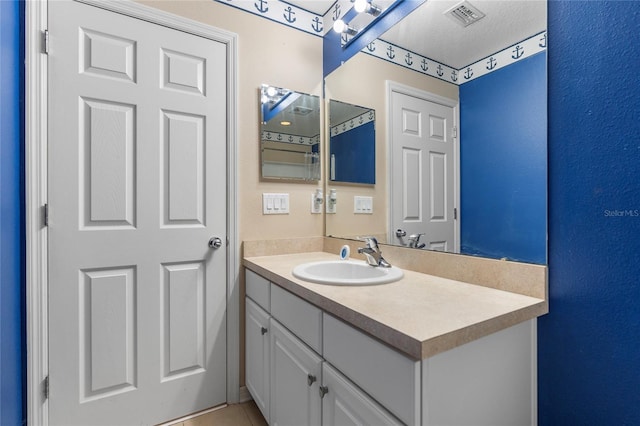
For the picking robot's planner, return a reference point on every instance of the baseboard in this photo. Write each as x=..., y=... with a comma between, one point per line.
x=244, y=394
x=177, y=422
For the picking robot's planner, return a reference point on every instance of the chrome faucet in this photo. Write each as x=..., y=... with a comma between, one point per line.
x=373, y=254
x=414, y=241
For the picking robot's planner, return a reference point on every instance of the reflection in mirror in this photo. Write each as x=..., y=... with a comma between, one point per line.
x=290, y=134
x=494, y=72
x=352, y=143
x=368, y=12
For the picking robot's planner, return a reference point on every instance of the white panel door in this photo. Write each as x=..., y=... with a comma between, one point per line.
x=423, y=172
x=137, y=187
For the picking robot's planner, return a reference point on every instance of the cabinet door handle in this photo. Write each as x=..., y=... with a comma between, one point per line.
x=310, y=379
x=323, y=391
x=263, y=330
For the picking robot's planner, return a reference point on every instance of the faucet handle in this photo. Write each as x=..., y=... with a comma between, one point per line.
x=372, y=242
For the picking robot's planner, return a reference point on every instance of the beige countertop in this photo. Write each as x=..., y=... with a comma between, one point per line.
x=420, y=315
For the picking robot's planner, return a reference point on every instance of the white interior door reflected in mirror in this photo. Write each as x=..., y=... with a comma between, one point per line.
x=289, y=134
x=423, y=169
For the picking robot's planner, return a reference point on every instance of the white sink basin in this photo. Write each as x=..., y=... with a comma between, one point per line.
x=346, y=272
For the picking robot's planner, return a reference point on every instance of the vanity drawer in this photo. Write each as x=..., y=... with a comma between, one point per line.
x=300, y=317
x=257, y=289
x=388, y=376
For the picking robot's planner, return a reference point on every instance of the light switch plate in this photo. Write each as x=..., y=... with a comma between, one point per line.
x=362, y=205
x=275, y=203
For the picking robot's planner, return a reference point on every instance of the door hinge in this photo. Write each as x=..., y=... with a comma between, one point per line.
x=45, y=387
x=454, y=130
x=45, y=214
x=455, y=213
x=45, y=42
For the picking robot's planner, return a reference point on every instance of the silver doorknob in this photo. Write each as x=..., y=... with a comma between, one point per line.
x=215, y=243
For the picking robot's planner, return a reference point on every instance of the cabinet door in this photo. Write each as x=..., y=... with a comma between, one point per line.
x=344, y=404
x=295, y=376
x=257, y=355
x=389, y=377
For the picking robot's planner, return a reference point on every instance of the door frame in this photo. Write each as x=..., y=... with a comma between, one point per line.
x=395, y=87
x=36, y=188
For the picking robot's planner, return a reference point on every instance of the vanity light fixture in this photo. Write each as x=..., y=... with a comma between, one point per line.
x=272, y=94
x=271, y=91
x=367, y=7
x=341, y=27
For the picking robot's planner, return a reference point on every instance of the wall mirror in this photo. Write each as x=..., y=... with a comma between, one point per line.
x=491, y=74
x=352, y=143
x=289, y=134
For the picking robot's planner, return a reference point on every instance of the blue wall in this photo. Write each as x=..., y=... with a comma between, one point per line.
x=503, y=162
x=589, y=343
x=11, y=216
x=355, y=154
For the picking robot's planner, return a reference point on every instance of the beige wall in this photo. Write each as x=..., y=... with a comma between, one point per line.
x=361, y=81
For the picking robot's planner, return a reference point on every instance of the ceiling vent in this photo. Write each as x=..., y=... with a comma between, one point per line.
x=464, y=14
x=300, y=110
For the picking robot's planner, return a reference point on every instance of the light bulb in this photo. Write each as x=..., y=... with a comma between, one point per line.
x=340, y=27
x=271, y=91
x=360, y=5
x=365, y=6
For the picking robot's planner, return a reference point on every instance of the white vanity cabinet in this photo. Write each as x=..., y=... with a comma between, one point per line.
x=285, y=373
x=306, y=367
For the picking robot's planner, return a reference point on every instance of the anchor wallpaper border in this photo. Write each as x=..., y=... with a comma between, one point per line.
x=318, y=25
x=361, y=120
x=288, y=138
x=283, y=13
x=407, y=59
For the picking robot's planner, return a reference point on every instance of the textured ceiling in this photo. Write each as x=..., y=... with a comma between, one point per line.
x=428, y=32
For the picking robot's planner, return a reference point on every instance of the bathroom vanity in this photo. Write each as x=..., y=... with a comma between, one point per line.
x=424, y=350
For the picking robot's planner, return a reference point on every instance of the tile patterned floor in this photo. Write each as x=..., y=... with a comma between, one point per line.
x=245, y=414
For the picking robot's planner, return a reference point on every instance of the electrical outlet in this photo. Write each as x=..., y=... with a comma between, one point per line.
x=316, y=207
x=331, y=206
